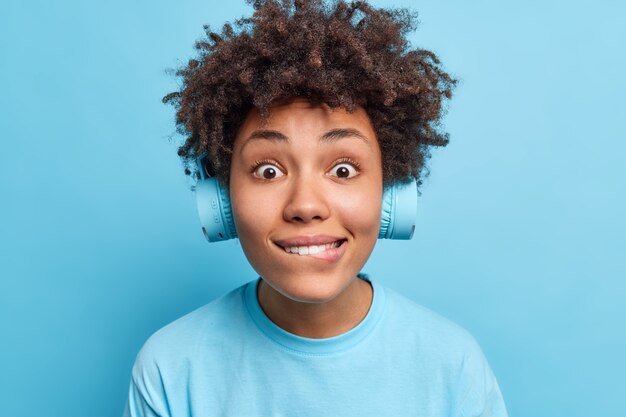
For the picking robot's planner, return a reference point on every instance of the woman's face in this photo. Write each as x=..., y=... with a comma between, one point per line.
x=306, y=191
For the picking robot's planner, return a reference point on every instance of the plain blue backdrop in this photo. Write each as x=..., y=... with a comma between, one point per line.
x=521, y=231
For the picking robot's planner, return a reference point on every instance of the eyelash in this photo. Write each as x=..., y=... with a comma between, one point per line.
x=343, y=160
x=349, y=161
x=257, y=164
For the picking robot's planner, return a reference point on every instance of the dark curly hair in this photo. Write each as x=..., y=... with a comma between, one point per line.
x=343, y=55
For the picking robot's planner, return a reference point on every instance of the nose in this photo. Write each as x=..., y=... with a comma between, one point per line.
x=306, y=201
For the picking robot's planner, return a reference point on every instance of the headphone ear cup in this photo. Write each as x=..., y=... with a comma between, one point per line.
x=216, y=216
x=399, y=211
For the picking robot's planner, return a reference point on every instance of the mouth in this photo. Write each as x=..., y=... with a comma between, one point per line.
x=312, y=249
x=321, y=247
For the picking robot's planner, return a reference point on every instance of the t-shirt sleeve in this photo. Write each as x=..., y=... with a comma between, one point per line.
x=482, y=394
x=146, y=395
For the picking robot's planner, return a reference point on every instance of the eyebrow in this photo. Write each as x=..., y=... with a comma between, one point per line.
x=268, y=134
x=336, y=134
x=332, y=135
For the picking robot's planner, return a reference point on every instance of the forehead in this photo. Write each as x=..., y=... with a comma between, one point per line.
x=300, y=118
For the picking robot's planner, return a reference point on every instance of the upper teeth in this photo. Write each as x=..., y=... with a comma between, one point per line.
x=311, y=250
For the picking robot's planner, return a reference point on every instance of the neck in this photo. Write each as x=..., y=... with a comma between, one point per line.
x=317, y=320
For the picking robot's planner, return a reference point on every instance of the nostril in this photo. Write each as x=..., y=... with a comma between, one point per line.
x=301, y=219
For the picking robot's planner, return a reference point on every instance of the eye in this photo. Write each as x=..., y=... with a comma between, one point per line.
x=344, y=170
x=268, y=171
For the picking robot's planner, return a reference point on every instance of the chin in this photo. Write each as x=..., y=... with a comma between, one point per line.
x=311, y=289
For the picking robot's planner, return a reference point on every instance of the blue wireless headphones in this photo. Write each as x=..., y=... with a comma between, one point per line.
x=398, y=214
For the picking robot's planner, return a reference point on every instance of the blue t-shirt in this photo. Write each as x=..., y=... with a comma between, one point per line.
x=228, y=359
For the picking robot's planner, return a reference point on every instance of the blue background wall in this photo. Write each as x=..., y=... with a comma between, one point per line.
x=521, y=229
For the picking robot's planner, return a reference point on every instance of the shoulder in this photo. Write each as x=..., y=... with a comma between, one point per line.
x=180, y=339
x=426, y=327
x=439, y=345
x=448, y=350
x=166, y=359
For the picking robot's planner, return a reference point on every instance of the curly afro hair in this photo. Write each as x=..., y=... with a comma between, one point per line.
x=341, y=54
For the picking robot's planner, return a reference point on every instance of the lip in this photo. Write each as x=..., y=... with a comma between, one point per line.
x=331, y=255
x=308, y=240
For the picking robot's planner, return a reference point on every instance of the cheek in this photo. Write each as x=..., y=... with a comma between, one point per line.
x=253, y=211
x=360, y=211
x=251, y=224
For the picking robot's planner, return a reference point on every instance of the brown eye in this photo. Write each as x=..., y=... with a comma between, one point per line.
x=268, y=172
x=344, y=170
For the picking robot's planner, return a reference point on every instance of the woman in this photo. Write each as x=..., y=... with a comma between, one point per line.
x=306, y=113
